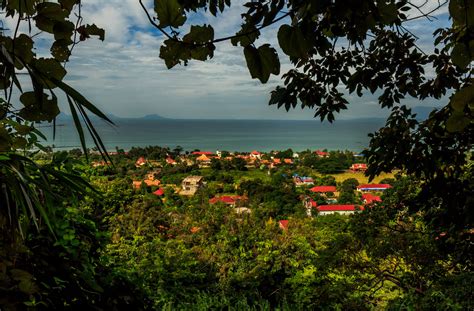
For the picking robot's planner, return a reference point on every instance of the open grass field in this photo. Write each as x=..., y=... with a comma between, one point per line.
x=361, y=177
x=252, y=174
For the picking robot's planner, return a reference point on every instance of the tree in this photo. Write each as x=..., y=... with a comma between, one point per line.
x=378, y=55
x=30, y=189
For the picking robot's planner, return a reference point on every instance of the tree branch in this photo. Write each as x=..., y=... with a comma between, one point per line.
x=212, y=41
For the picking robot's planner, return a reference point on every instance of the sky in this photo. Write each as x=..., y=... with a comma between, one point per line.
x=124, y=75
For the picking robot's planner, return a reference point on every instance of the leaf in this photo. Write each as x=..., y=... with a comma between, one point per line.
x=388, y=11
x=199, y=34
x=34, y=110
x=5, y=140
x=48, y=13
x=292, y=41
x=90, y=30
x=60, y=50
x=63, y=30
x=49, y=69
x=462, y=12
x=262, y=62
x=23, y=50
x=246, y=35
x=460, y=55
x=173, y=52
x=68, y=4
x=462, y=98
x=78, y=125
x=170, y=13
x=457, y=122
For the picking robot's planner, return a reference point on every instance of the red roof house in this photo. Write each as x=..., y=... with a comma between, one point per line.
x=159, y=192
x=228, y=199
x=140, y=161
x=358, y=167
x=369, y=198
x=322, y=154
x=283, y=224
x=323, y=189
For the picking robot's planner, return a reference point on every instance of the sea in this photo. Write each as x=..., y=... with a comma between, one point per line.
x=229, y=135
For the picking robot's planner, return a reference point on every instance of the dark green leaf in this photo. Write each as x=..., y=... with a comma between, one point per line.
x=170, y=13
x=292, y=41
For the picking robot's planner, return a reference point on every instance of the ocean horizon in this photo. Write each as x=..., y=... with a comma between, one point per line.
x=213, y=134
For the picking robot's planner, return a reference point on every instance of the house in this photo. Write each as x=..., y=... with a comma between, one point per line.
x=369, y=198
x=140, y=162
x=302, y=180
x=137, y=184
x=231, y=200
x=242, y=210
x=191, y=185
x=171, y=161
x=100, y=163
x=322, y=154
x=203, y=160
x=337, y=209
x=151, y=175
x=195, y=229
x=283, y=224
x=288, y=161
x=358, y=167
x=159, y=192
x=256, y=155
x=148, y=182
x=323, y=189
x=373, y=187
x=208, y=153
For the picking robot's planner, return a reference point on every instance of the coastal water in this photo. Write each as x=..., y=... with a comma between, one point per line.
x=230, y=135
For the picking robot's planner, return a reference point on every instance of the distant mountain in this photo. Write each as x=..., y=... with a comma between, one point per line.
x=152, y=117
x=66, y=117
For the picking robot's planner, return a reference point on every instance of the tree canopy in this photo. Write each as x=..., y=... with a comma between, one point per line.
x=342, y=48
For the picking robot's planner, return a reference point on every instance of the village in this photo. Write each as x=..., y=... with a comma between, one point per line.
x=319, y=182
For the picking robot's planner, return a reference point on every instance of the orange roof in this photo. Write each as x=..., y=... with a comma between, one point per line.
x=136, y=184
x=150, y=182
x=195, y=229
x=140, y=161
x=288, y=161
x=255, y=152
x=203, y=157
x=276, y=160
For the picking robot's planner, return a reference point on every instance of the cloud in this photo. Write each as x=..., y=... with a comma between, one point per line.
x=125, y=76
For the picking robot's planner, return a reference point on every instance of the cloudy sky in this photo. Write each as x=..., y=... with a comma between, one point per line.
x=124, y=75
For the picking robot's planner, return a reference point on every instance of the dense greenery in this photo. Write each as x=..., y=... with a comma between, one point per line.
x=77, y=236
